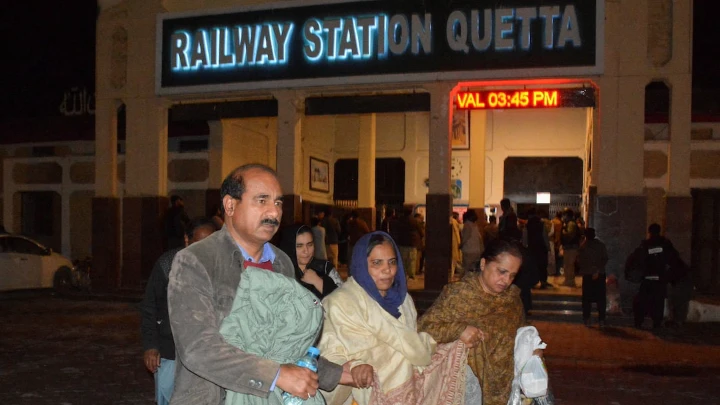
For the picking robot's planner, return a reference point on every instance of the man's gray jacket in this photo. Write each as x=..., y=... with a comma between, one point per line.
x=203, y=283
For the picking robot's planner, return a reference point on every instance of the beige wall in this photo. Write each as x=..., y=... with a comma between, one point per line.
x=234, y=142
x=404, y=135
x=536, y=133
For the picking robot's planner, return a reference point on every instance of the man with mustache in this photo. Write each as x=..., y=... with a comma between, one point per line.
x=204, y=281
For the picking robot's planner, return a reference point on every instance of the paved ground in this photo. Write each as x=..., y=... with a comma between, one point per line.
x=61, y=351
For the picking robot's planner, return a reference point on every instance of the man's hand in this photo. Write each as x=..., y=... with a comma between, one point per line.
x=362, y=375
x=151, y=358
x=471, y=336
x=298, y=381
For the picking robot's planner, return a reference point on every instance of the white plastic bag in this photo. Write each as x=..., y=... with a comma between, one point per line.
x=527, y=341
x=534, y=378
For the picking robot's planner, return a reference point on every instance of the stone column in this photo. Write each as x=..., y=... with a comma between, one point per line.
x=439, y=200
x=678, y=201
x=145, y=201
x=620, y=206
x=290, y=167
x=106, y=227
x=478, y=131
x=366, y=168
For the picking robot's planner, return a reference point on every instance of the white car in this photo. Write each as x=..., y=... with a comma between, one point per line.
x=26, y=264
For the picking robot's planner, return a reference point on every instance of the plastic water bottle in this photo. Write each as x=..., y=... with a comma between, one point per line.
x=309, y=360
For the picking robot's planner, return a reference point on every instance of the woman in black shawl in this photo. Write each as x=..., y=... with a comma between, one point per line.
x=317, y=275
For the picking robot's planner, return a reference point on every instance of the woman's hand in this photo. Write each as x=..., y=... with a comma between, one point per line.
x=311, y=277
x=362, y=375
x=471, y=336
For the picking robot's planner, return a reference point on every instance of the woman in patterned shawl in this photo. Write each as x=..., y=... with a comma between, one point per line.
x=371, y=320
x=486, y=305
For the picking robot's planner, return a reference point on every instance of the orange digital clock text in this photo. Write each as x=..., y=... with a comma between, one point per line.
x=479, y=100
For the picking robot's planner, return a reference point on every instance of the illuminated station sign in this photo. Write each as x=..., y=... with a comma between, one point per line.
x=530, y=98
x=375, y=38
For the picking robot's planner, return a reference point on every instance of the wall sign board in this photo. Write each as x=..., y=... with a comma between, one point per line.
x=308, y=43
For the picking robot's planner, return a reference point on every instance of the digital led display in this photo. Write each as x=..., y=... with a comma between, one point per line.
x=525, y=98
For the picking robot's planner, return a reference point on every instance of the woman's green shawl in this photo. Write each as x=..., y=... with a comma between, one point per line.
x=273, y=317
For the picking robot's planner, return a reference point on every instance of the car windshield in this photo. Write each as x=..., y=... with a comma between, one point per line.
x=21, y=245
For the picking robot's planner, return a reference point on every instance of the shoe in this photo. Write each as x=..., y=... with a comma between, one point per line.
x=586, y=322
x=601, y=324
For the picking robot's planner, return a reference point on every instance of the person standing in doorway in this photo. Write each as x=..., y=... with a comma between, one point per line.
x=332, y=235
x=570, y=244
x=471, y=243
x=421, y=253
x=508, y=227
x=490, y=233
x=537, y=244
x=176, y=220
x=356, y=228
x=592, y=258
x=557, y=224
x=318, y=233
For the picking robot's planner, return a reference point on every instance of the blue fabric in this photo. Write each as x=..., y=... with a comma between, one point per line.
x=267, y=255
x=164, y=381
x=359, y=269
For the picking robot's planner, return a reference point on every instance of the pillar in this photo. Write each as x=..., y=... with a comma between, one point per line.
x=145, y=201
x=235, y=142
x=478, y=131
x=366, y=168
x=106, y=226
x=291, y=110
x=619, y=207
x=439, y=199
x=678, y=201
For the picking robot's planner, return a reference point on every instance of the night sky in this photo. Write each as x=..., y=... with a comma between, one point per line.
x=49, y=48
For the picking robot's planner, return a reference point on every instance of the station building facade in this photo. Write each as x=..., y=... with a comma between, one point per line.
x=475, y=101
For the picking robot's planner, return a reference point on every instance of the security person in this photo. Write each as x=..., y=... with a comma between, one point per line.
x=654, y=260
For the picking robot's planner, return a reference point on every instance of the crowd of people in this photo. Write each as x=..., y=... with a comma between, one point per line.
x=227, y=313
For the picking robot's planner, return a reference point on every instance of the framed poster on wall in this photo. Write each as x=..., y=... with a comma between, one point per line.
x=319, y=175
x=460, y=129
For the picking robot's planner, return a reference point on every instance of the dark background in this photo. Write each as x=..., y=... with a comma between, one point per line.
x=48, y=46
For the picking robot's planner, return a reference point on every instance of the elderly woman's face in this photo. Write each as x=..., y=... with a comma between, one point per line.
x=498, y=274
x=382, y=266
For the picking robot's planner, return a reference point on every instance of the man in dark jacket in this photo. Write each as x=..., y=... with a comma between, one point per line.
x=651, y=265
x=176, y=223
x=537, y=245
x=159, y=355
x=591, y=261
